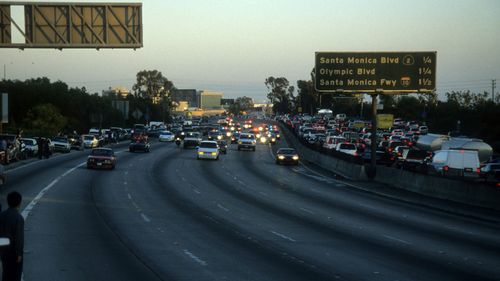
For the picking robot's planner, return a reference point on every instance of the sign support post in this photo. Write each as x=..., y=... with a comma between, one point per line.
x=372, y=170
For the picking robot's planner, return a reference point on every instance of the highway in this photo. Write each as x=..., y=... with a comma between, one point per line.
x=166, y=216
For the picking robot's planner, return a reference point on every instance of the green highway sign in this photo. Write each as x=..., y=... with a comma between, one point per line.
x=380, y=72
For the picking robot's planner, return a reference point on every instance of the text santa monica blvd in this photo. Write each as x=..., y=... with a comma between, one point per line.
x=392, y=72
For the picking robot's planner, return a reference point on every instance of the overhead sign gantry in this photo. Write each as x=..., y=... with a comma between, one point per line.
x=73, y=25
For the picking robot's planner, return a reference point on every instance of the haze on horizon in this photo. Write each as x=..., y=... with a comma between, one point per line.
x=233, y=46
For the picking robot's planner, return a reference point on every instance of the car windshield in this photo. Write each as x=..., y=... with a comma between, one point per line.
x=58, y=139
x=247, y=136
x=347, y=146
x=208, y=145
x=286, y=151
x=88, y=138
x=101, y=152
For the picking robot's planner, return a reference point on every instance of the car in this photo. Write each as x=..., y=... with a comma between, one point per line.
x=381, y=156
x=208, y=150
x=234, y=137
x=101, y=158
x=399, y=153
x=247, y=141
x=90, y=141
x=192, y=139
x=214, y=135
x=424, y=130
x=347, y=148
x=287, y=156
x=31, y=146
x=166, y=136
x=490, y=171
x=222, y=146
x=61, y=144
x=139, y=145
x=415, y=159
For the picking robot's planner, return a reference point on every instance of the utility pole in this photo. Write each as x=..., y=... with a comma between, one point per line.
x=493, y=86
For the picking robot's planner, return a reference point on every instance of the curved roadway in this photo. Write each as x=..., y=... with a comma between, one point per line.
x=166, y=216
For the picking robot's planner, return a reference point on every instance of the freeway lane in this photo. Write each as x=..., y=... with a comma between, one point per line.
x=166, y=216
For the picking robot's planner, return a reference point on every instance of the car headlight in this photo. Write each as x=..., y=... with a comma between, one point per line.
x=214, y=153
x=262, y=139
x=281, y=157
x=258, y=135
x=107, y=161
x=200, y=152
x=278, y=135
x=228, y=134
x=295, y=157
x=240, y=142
x=219, y=137
x=273, y=139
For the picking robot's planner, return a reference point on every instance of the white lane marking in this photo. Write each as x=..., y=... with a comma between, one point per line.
x=307, y=211
x=262, y=193
x=367, y=206
x=396, y=239
x=125, y=183
x=144, y=217
x=222, y=207
x=126, y=172
x=136, y=206
x=283, y=236
x=197, y=191
x=39, y=196
x=195, y=258
x=242, y=183
x=129, y=196
x=183, y=179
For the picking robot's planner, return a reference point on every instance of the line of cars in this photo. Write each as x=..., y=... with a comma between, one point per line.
x=403, y=146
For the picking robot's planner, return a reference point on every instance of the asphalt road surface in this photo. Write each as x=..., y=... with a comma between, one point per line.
x=164, y=215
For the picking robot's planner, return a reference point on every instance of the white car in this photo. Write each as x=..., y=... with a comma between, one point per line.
x=166, y=136
x=208, y=150
x=90, y=141
x=31, y=145
x=347, y=148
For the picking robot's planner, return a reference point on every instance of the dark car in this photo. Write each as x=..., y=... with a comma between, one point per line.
x=287, y=156
x=234, y=137
x=139, y=145
x=416, y=160
x=101, y=158
x=490, y=171
x=214, y=135
x=382, y=157
x=222, y=146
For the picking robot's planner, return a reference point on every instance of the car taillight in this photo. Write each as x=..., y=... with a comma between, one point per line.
x=498, y=184
x=392, y=158
x=410, y=143
x=478, y=170
x=446, y=168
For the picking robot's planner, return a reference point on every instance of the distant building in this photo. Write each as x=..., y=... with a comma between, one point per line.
x=118, y=91
x=210, y=100
x=185, y=95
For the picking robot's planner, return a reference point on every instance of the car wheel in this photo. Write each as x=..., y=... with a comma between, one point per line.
x=253, y=149
x=277, y=162
x=88, y=167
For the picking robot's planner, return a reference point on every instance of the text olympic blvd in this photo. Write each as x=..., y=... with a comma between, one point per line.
x=400, y=72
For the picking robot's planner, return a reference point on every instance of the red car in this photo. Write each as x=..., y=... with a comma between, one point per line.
x=101, y=158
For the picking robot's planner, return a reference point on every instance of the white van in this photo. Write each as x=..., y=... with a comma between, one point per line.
x=464, y=163
x=341, y=117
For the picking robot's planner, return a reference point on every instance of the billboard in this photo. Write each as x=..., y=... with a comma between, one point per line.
x=385, y=121
x=375, y=72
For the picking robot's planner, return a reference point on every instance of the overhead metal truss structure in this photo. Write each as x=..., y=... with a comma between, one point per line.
x=73, y=25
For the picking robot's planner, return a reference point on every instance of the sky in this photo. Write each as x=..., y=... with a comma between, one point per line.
x=232, y=46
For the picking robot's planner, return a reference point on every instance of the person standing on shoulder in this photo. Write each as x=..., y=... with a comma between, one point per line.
x=12, y=227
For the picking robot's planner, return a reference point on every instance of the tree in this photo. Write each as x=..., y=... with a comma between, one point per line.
x=152, y=84
x=241, y=104
x=45, y=120
x=280, y=94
